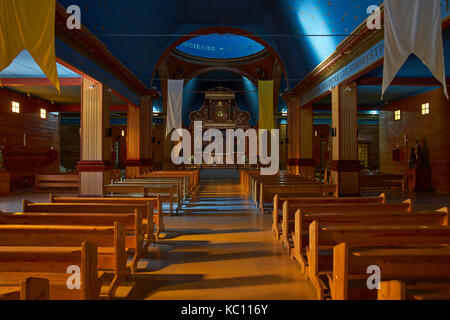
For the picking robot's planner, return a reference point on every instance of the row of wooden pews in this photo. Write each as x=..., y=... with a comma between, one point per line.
x=103, y=239
x=169, y=185
x=337, y=240
x=261, y=189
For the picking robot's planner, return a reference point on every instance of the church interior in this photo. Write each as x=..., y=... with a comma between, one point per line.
x=123, y=175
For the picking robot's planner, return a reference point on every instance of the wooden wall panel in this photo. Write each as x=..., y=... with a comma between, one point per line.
x=70, y=145
x=432, y=132
x=23, y=161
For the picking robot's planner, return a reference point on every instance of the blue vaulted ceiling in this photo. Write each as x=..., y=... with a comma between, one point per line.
x=303, y=33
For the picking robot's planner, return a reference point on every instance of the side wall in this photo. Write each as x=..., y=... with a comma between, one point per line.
x=432, y=132
x=27, y=139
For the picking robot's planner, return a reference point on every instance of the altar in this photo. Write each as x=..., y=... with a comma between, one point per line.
x=220, y=111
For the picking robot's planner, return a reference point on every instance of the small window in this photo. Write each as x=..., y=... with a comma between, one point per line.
x=363, y=155
x=425, y=108
x=15, y=107
x=43, y=114
x=397, y=115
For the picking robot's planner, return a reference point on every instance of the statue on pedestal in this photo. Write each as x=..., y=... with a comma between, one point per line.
x=418, y=176
x=416, y=160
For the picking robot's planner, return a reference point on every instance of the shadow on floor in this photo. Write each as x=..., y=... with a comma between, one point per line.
x=151, y=284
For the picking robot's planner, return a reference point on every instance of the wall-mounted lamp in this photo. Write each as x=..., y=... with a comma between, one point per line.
x=123, y=133
x=348, y=89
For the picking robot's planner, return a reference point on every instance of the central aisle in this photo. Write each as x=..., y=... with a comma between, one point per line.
x=220, y=249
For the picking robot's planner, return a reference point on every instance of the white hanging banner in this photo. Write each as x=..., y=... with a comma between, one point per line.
x=413, y=26
x=174, y=105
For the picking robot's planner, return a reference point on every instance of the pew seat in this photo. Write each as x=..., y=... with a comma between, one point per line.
x=110, y=241
x=349, y=275
x=297, y=201
x=134, y=239
x=44, y=271
x=318, y=255
x=288, y=220
x=28, y=289
x=152, y=205
x=414, y=289
x=56, y=181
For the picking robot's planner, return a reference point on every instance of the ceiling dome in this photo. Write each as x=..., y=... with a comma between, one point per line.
x=220, y=46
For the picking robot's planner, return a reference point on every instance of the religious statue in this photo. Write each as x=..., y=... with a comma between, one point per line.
x=1, y=157
x=416, y=160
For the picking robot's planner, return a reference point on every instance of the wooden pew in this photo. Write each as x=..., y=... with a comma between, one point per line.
x=278, y=203
x=417, y=290
x=152, y=205
x=381, y=181
x=94, y=207
x=244, y=178
x=331, y=231
x=56, y=181
x=19, y=263
x=350, y=265
x=288, y=220
x=193, y=175
x=280, y=179
x=182, y=182
x=112, y=255
x=303, y=221
x=166, y=191
x=267, y=192
x=28, y=289
x=150, y=187
x=134, y=238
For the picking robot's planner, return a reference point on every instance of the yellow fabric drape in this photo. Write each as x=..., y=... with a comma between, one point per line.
x=29, y=25
x=265, y=93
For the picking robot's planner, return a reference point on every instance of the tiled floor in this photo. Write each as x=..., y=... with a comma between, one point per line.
x=220, y=248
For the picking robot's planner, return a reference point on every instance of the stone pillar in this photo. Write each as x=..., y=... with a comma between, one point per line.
x=293, y=132
x=139, y=135
x=306, y=161
x=345, y=167
x=96, y=149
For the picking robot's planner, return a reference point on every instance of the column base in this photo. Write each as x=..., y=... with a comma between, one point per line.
x=93, y=176
x=346, y=174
